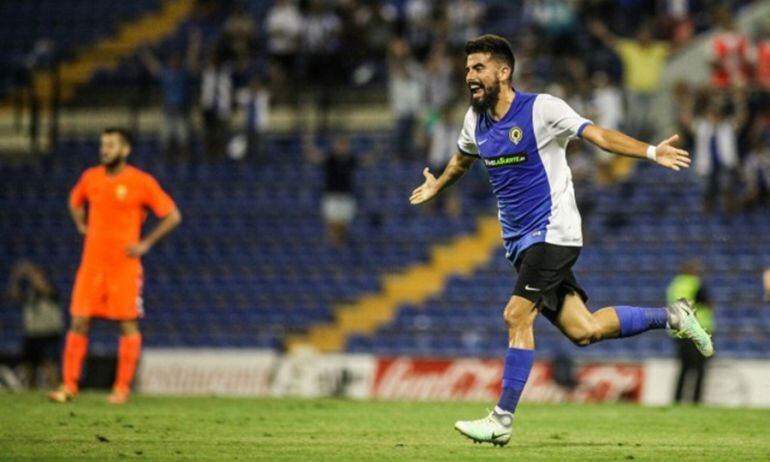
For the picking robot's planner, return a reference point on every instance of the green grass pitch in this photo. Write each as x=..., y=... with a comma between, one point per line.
x=166, y=428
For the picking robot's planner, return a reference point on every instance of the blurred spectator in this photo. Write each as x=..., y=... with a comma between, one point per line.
x=420, y=30
x=216, y=103
x=239, y=36
x=283, y=25
x=42, y=323
x=715, y=136
x=683, y=98
x=464, y=17
x=643, y=62
x=321, y=29
x=730, y=51
x=533, y=63
x=438, y=71
x=338, y=204
x=367, y=31
x=352, y=34
x=176, y=79
x=756, y=168
x=762, y=58
x=25, y=70
x=606, y=101
x=607, y=110
x=688, y=285
x=573, y=78
x=254, y=101
x=406, y=96
x=443, y=133
x=555, y=21
x=677, y=19
x=376, y=21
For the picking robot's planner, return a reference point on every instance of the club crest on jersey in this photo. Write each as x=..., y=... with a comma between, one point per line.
x=515, y=135
x=121, y=191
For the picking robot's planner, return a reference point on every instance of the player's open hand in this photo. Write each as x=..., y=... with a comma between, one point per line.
x=138, y=249
x=426, y=191
x=672, y=157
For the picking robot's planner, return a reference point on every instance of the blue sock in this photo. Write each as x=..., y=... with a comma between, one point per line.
x=635, y=320
x=518, y=363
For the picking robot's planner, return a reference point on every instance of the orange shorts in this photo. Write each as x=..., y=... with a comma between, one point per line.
x=115, y=293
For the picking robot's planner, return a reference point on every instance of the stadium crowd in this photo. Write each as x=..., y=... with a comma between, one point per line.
x=323, y=52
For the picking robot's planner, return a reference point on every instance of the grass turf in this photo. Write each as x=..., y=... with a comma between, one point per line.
x=166, y=428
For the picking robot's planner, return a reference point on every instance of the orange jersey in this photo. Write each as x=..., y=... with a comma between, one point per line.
x=117, y=207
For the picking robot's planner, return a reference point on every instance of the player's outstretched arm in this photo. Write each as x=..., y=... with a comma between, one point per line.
x=168, y=223
x=458, y=165
x=664, y=154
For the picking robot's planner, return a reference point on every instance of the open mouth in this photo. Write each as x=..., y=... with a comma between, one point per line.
x=475, y=89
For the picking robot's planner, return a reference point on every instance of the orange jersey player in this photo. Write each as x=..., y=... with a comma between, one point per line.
x=109, y=281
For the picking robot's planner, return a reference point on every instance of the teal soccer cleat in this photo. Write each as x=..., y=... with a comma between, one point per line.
x=495, y=428
x=684, y=324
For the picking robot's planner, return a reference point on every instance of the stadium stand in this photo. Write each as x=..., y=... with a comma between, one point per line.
x=250, y=266
x=71, y=25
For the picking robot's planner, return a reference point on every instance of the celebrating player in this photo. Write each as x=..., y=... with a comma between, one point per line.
x=521, y=138
x=109, y=280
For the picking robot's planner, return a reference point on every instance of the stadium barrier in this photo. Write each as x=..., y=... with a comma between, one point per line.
x=306, y=374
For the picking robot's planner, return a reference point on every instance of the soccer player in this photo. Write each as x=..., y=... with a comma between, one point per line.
x=521, y=138
x=109, y=280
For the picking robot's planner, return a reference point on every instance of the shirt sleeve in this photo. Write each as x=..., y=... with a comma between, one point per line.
x=466, y=142
x=78, y=195
x=560, y=119
x=157, y=200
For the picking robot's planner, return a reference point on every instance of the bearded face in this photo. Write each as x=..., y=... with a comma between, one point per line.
x=112, y=150
x=483, y=76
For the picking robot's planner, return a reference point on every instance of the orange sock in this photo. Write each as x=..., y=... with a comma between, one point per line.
x=129, y=348
x=75, y=350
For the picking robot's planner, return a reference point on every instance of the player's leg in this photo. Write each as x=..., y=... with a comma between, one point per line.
x=539, y=274
x=125, y=305
x=496, y=428
x=88, y=296
x=519, y=316
x=584, y=328
x=75, y=350
x=129, y=351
